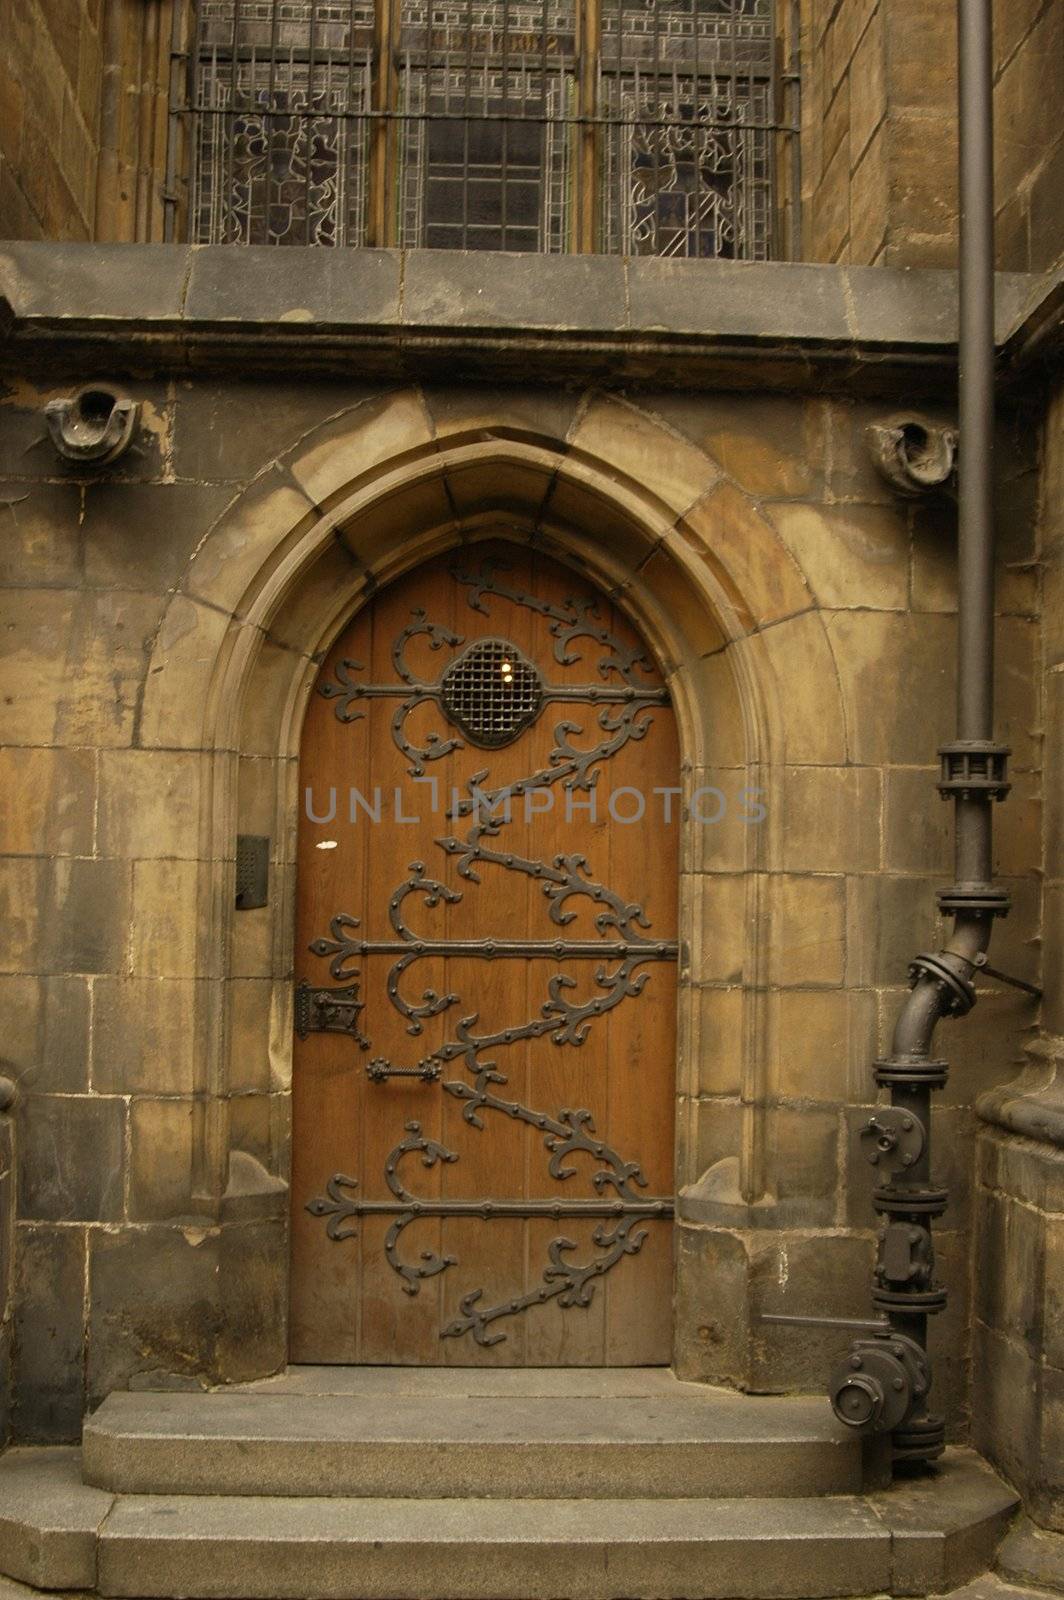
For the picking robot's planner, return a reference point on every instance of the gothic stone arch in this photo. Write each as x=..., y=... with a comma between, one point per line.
x=676, y=543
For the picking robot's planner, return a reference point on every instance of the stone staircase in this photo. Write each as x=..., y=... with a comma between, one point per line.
x=394, y=1484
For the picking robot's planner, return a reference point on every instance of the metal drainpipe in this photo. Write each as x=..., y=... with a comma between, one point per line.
x=973, y=775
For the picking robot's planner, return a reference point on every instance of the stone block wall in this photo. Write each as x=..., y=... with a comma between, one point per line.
x=879, y=136
x=1029, y=139
x=120, y=590
x=50, y=78
x=1019, y=1319
x=84, y=90
x=1019, y=1327
x=880, y=132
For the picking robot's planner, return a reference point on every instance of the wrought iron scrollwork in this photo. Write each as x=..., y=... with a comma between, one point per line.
x=571, y=1283
x=572, y=620
x=622, y=952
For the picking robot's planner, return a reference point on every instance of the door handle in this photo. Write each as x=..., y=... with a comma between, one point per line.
x=380, y=1069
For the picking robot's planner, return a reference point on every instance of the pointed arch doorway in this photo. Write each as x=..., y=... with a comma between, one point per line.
x=484, y=1078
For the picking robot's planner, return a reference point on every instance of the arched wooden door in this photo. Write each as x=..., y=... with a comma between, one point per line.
x=486, y=969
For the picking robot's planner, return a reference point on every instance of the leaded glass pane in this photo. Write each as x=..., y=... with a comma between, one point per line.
x=282, y=95
x=486, y=94
x=686, y=86
x=478, y=119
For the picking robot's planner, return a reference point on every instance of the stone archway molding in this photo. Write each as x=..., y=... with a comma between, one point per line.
x=655, y=522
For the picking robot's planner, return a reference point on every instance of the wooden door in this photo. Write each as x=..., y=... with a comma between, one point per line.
x=486, y=967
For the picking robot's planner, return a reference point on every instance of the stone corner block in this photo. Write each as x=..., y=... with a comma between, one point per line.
x=945, y=1528
x=49, y=1518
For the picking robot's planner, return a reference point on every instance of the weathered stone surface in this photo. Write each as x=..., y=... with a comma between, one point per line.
x=103, y=660
x=49, y=1332
x=685, y=1441
x=161, y=1136
x=46, y=801
x=344, y=286
x=85, y=915
x=164, y=926
x=71, y=1158
x=802, y=1276
x=851, y=555
x=732, y=534
x=826, y=1040
x=831, y=818
x=192, y=1300
x=184, y=658
x=1032, y=1555
x=42, y=540
x=47, y=1044
x=945, y=1528
x=712, y=1326
x=142, y=535
x=49, y=1519
x=245, y=539
x=455, y=287
x=809, y=942
x=142, y=1041
x=509, y=1550
x=1005, y=1424
x=767, y=444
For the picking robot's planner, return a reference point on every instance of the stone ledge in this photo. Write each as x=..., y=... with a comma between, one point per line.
x=426, y=312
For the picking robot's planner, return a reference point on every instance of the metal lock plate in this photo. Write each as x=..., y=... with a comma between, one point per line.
x=252, y=871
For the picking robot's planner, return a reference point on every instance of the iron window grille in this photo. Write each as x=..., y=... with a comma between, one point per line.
x=644, y=127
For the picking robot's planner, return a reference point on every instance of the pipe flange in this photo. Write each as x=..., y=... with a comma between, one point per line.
x=974, y=769
x=897, y=1202
x=985, y=897
x=910, y=1072
x=960, y=992
x=929, y=1302
x=919, y=1440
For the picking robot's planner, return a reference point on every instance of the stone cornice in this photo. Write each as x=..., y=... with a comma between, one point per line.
x=443, y=314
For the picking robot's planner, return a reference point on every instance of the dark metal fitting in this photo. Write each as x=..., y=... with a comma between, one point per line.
x=894, y=1201
x=329, y=1011
x=910, y=1072
x=878, y=1384
x=974, y=769
x=906, y=1258
x=894, y=1136
x=961, y=993
x=972, y=897
x=926, y=1302
x=919, y=1440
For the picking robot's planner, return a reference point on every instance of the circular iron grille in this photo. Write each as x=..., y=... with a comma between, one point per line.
x=492, y=692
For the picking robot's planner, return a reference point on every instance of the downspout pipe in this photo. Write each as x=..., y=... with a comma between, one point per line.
x=974, y=776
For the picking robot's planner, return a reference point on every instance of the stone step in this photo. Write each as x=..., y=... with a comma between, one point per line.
x=354, y=1549
x=634, y=1438
x=919, y=1538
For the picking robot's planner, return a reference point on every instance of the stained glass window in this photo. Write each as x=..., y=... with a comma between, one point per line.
x=646, y=127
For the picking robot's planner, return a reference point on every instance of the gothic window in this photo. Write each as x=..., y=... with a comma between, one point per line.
x=645, y=127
